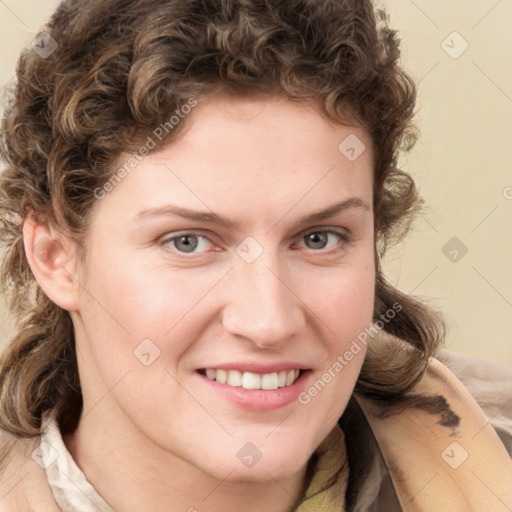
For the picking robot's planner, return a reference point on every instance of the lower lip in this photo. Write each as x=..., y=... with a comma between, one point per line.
x=258, y=399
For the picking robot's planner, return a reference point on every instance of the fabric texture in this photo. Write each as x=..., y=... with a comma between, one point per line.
x=370, y=487
x=68, y=484
x=365, y=486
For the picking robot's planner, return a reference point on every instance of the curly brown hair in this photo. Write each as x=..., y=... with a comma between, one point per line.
x=122, y=67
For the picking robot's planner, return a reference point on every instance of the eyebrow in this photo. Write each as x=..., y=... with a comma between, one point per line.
x=214, y=219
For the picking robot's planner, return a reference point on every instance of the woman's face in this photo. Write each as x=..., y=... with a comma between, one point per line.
x=202, y=264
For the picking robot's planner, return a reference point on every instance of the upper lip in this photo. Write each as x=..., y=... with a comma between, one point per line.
x=253, y=367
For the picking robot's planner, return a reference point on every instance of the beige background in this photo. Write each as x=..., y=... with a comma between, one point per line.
x=462, y=163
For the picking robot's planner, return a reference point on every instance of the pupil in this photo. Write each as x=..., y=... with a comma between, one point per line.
x=317, y=239
x=187, y=245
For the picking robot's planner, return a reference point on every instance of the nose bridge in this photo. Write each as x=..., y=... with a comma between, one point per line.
x=260, y=306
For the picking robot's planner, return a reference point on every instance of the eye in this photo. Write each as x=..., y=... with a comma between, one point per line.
x=319, y=238
x=186, y=242
x=194, y=243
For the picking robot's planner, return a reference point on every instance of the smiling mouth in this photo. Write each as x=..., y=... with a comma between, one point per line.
x=250, y=380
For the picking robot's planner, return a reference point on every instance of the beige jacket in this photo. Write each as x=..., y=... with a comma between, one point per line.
x=454, y=455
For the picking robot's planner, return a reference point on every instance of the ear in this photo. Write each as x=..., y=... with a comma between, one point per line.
x=52, y=259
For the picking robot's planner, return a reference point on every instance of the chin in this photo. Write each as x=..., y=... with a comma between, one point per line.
x=249, y=465
x=262, y=473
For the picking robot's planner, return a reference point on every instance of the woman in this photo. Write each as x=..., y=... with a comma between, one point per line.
x=196, y=201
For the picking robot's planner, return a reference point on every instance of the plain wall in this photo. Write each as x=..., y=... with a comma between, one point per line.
x=462, y=163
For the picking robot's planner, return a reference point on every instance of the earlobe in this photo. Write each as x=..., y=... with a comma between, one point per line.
x=52, y=262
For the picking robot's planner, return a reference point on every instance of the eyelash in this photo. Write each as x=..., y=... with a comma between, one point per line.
x=344, y=237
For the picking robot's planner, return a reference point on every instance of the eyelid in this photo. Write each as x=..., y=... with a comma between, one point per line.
x=174, y=235
x=326, y=229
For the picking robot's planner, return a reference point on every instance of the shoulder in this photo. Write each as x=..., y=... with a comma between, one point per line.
x=490, y=384
x=23, y=483
x=441, y=435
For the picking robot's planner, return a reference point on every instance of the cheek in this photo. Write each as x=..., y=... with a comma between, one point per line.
x=343, y=298
x=346, y=310
x=126, y=301
x=344, y=303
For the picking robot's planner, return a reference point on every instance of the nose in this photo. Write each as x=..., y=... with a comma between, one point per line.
x=261, y=305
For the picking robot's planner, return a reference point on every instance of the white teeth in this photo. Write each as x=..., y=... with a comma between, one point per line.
x=249, y=380
x=234, y=378
x=222, y=376
x=269, y=381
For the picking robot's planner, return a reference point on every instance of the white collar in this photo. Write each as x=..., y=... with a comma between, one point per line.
x=70, y=488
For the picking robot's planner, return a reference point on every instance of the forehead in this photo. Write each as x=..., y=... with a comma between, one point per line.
x=237, y=156
x=275, y=126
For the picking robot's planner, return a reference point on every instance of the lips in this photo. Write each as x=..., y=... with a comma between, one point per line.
x=256, y=386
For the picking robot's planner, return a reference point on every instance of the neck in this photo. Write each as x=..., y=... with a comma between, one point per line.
x=130, y=472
